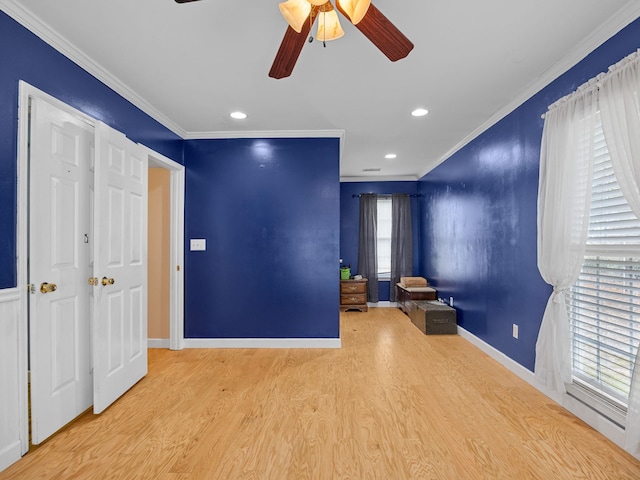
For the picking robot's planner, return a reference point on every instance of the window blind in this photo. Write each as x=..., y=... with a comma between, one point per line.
x=384, y=236
x=604, y=305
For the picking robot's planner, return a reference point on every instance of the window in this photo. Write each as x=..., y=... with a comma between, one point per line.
x=604, y=305
x=383, y=241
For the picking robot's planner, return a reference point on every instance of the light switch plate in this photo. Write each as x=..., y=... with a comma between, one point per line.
x=198, y=244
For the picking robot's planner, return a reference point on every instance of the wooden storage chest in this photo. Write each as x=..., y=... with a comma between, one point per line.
x=433, y=317
x=406, y=295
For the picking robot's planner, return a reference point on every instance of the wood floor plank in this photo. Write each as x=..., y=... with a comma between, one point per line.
x=392, y=403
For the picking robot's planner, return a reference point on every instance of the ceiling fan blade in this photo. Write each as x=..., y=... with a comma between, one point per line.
x=382, y=33
x=291, y=47
x=186, y=1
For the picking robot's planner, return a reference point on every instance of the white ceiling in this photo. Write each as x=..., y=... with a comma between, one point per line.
x=190, y=65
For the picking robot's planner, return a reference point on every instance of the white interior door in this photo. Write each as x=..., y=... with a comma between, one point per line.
x=59, y=267
x=120, y=266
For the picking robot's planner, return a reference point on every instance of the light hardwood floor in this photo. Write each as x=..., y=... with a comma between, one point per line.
x=391, y=404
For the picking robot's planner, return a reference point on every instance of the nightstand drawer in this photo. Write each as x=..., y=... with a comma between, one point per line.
x=360, y=287
x=353, y=299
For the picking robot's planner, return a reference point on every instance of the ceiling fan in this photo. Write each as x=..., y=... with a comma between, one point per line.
x=302, y=14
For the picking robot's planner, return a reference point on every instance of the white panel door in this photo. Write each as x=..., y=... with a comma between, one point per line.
x=120, y=266
x=59, y=268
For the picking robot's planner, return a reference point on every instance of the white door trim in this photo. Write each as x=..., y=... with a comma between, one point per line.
x=22, y=216
x=176, y=287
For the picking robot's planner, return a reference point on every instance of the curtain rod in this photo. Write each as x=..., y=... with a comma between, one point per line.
x=591, y=85
x=595, y=82
x=358, y=195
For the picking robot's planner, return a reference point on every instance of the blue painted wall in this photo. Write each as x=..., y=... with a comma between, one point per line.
x=350, y=221
x=23, y=56
x=270, y=212
x=478, y=217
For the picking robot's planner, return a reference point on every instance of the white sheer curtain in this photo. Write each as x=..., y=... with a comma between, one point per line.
x=620, y=113
x=564, y=200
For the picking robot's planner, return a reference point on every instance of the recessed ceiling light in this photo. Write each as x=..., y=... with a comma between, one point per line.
x=390, y=156
x=238, y=115
x=420, y=112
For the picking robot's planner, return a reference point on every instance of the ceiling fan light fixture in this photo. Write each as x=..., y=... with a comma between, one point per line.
x=370, y=22
x=355, y=9
x=328, y=24
x=295, y=12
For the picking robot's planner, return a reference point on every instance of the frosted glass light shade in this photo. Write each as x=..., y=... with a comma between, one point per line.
x=329, y=26
x=295, y=12
x=355, y=9
x=317, y=2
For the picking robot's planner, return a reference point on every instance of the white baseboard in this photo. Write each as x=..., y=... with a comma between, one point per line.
x=592, y=418
x=262, y=343
x=524, y=373
x=10, y=454
x=382, y=304
x=158, y=343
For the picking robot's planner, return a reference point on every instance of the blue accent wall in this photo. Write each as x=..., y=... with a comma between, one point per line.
x=478, y=217
x=23, y=56
x=350, y=222
x=270, y=212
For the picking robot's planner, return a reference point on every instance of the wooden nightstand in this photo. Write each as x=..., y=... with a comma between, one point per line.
x=353, y=295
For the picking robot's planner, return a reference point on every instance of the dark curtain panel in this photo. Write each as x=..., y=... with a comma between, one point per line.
x=367, y=255
x=401, y=241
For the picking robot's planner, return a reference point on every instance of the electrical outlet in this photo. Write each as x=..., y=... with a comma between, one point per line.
x=515, y=331
x=198, y=244
x=451, y=301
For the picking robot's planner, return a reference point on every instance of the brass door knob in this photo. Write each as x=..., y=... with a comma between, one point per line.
x=48, y=287
x=107, y=281
x=93, y=281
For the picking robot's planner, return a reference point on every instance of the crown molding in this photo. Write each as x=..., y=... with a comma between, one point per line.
x=399, y=178
x=267, y=134
x=42, y=30
x=626, y=15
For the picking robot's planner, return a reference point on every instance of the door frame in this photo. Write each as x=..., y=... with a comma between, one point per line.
x=176, y=246
x=177, y=171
